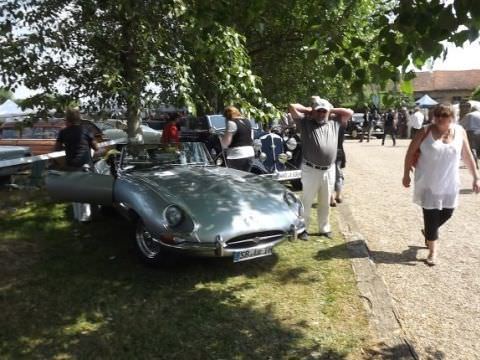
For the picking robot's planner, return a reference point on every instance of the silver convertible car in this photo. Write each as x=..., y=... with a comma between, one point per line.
x=179, y=201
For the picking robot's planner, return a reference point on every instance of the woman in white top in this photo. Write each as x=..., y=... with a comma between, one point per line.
x=238, y=140
x=437, y=178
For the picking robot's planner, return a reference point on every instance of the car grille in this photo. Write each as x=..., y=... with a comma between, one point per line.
x=251, y=240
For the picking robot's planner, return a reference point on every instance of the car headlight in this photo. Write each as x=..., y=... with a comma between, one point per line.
x=283, y=158
x=173, y=215
x=293, y=202
x=263, y=156
x=291, y=144
x=289, y=155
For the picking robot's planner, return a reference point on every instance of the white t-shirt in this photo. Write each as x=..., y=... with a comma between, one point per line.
x=416, y=120
x=437, y=178
x=472, y=122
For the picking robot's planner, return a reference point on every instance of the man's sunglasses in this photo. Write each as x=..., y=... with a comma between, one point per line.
x=321, y=111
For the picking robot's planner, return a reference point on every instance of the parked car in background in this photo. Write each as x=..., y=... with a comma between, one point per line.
x=40, y=136
x=111, y=132
x=179, y=201
x=278, y=155
x=12, y=152
x=355, y=126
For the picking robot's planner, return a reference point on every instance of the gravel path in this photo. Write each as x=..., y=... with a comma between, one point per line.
x=439, y=307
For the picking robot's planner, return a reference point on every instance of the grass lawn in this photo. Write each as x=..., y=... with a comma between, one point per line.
x=76, y=291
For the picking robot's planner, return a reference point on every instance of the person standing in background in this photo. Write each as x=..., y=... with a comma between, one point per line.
x=78, y=144
x=237, y=139
x=340, y=163
x=471, y=123
x=416, y=122
x=390, y=126
x=170, y=131
x=367, y=125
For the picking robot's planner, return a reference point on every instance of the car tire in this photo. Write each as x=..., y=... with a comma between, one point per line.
x=147, y=248
x=296, y=185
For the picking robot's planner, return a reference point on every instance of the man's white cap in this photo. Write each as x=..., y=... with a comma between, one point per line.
x=319, y=103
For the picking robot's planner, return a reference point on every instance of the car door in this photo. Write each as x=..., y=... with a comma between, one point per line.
x=79, y=186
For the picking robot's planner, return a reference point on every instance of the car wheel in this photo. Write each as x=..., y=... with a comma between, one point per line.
x=354, y=133
x=148, y=248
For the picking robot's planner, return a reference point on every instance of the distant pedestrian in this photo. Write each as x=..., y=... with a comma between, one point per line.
x=340, y=162
x=238, y=140
x=170, y=133
x=390, y=126
x=471, y=123
x=416, y=122
x=367, y=126
x=319, y=134
x=78, y=143
x=437, y=178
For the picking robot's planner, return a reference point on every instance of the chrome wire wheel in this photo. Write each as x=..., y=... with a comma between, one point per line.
x=146, y=243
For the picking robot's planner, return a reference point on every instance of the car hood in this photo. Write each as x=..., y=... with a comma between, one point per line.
x=221, y=199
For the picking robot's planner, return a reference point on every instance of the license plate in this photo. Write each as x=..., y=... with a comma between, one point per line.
x=251, y=254
x=288, y=175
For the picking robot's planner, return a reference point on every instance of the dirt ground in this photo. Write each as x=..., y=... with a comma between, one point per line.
x=438, y=307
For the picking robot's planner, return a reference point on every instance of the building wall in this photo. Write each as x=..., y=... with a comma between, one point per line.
x=445, y=96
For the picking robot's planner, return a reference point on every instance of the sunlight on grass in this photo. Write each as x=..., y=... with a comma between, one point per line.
x=76, y=291
x=83, y=326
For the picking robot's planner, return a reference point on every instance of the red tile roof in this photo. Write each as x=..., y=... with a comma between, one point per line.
x=446, y=80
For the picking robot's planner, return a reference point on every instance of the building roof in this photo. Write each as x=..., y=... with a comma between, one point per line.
x=446, y=80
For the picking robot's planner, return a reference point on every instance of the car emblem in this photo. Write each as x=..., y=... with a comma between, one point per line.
x=256, y=240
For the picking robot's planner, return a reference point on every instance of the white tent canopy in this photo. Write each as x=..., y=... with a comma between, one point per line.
x=9, y=109
x=426, y=101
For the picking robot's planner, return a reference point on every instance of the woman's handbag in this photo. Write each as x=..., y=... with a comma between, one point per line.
x=416, y=155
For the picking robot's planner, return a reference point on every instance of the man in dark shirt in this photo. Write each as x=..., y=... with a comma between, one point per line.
x=390, y=126
x=77, y=142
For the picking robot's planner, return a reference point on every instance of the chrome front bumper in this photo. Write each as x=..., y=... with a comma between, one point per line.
x=219, y=248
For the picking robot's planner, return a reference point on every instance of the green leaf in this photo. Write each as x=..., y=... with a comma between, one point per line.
x=407, y=87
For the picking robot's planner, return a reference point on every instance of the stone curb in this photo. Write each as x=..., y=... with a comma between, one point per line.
x=383, y=317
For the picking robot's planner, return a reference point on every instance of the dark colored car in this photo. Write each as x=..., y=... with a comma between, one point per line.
x=355, y=126
x=278, y=155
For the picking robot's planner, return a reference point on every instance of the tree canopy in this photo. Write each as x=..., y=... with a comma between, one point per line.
x=205, y=54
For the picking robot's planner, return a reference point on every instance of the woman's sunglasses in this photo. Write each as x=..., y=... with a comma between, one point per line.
x=442, y=115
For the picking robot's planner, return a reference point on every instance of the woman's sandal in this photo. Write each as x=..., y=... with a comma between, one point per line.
x=431, y=261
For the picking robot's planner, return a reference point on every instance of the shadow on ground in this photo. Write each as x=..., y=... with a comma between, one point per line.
x=88, y=297
x=358, y=249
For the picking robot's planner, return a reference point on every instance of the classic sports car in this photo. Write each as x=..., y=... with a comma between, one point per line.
x=179, y=201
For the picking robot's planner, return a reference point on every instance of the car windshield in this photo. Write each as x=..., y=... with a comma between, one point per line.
x=184, y=153
x=218, y=121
